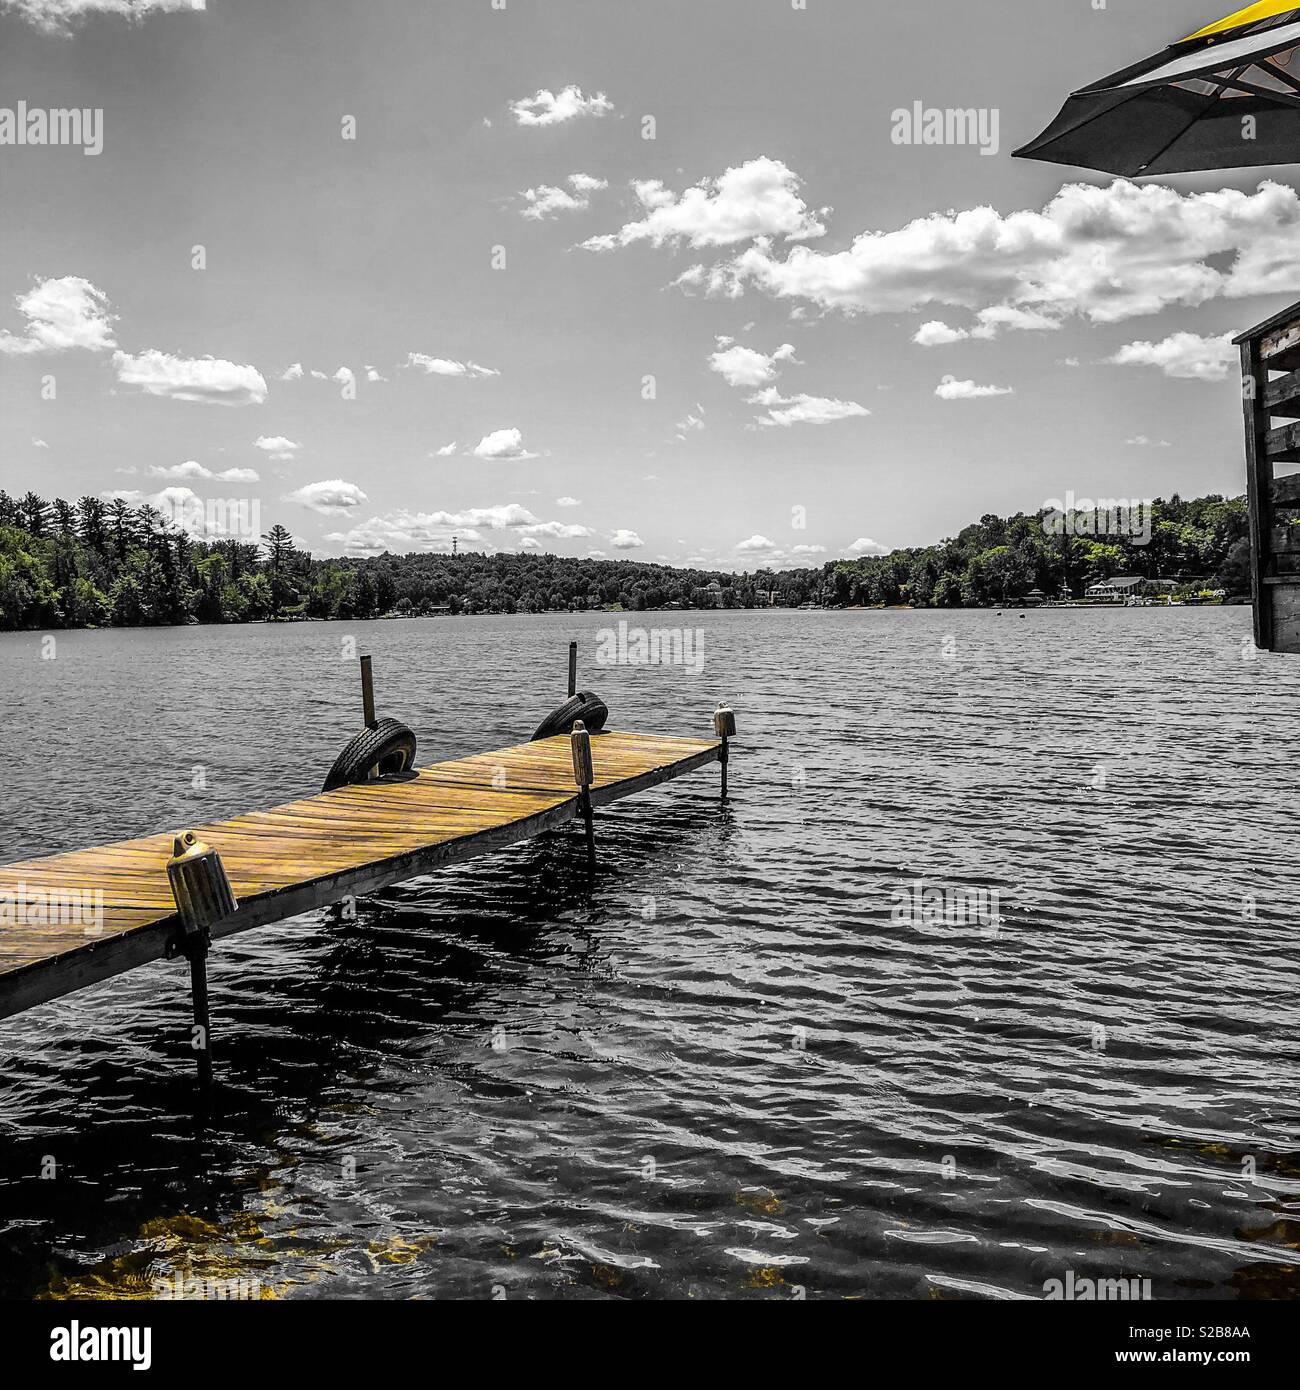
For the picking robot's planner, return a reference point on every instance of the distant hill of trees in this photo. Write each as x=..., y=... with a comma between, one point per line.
x=96, y=563
x=1201, y=544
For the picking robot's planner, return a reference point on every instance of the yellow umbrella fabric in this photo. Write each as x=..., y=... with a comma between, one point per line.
x=1252, y=14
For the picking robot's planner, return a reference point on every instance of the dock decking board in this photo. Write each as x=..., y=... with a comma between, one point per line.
x=292, y=858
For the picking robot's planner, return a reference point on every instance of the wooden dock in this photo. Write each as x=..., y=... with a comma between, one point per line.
x=323, y=849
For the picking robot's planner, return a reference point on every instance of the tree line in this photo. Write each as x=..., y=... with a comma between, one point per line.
x=98, y=563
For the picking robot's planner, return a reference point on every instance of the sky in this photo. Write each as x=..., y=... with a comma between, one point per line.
x=648, y=281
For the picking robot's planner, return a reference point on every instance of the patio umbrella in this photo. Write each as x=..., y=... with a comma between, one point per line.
x=1187, y=107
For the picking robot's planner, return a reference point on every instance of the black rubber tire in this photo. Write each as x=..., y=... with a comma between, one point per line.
x=387, y=745
x=585, y=705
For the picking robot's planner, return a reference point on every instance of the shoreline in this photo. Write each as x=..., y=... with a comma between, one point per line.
x=640, y=612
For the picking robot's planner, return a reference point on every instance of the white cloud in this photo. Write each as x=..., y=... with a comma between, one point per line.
x=293, y=372
x=950, y=389
x=445, y=366
x=551, y=108
x=1185, y=355
x=936, y=333
x=178, y=472
x=403, y=531
x=688, y=423
x=803, y=409
x=546, y=200
x=1107, y=253
x=595, y=555
x=757, y=199
x=39, y=444
x=558, y=530
x=742, y=366
x=865, y=546
x=277, y=446
x=345, y=376
x=626, y=540
x=529, y=543
x=991, y=321
x=1145, y=442
x=63, y=313
x=988, y=324
x=754, y=544
x=567, y=502
x=60, y=16
x=331, y=498
x=373, y=374
x=502, y=444
x=807, y=550
x=210, y=379
x=447, y=450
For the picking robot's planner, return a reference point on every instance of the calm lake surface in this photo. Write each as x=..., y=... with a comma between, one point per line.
x=724, y=1068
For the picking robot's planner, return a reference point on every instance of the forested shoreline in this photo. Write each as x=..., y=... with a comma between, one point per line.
x=98, y=563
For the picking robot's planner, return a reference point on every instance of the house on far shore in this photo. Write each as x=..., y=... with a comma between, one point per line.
x=1122, y=587
x=1116, y=589
x=711, y=594
x=1034, y=597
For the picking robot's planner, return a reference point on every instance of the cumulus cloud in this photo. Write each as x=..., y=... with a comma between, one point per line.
x=625, y=540
x=345, y=376
x=179, y=472
x=293, y=372
x=567, y=502
x=333, y=497
x=1185, y=355
x=950, y=389
x=552, y=108
x=374, y=374
x=1106, y=253
x=61, y=16
x=447, y=450
x=67, y=312
x=865, y=546
x=504, y=444
x=803, y=409
x=754, y=544
x=39, y=444
x=446, y=366
x=403, y=531
x=210, y=379
x=807, y=550
x=557, y=530
x=277, y=446
x=936, y=333
x=988, y=324
x=742, y=366
x=757, y=199
x=546, y=200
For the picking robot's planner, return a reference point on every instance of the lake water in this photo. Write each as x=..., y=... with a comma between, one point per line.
x=730, y=1066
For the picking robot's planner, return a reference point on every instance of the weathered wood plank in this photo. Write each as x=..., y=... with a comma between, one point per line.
x=1279, y=351
x=1282, y=396
x=1282, y=445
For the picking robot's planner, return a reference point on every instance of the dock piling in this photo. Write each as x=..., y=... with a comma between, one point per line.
x=367, y=692
x=201, y=1037
x=584, y=774
x=573, y=669
x=724, y=725
x=203, y=897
